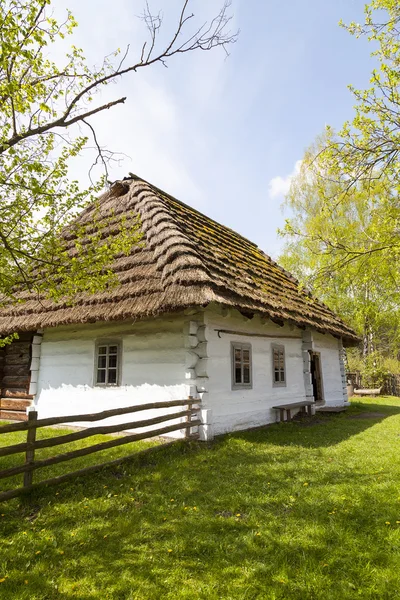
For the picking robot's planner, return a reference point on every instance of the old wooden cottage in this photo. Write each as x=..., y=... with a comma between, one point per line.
x=199, y=311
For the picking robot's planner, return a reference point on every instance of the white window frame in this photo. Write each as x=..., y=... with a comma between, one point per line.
x=241, y=386
x=281, y=349
x=107, y=343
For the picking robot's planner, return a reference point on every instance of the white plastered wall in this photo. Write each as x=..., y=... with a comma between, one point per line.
x=241, y=409
x=229, y=409
x=334, y=390
x=173, y=357
x=152, y=369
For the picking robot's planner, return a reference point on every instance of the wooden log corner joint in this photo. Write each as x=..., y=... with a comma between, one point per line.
x=305, y=408
x=15, y=376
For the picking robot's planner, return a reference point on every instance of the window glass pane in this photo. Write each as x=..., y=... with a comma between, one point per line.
x=238, y=375
x=101, y=376
x=246, y=374
x=112, y=349
x=276, y=376
x=102, y=350
x=112, y=376
x=101, y=362
x=238, y=355
x=112, y=361
x=246, y=355
x=282, y=376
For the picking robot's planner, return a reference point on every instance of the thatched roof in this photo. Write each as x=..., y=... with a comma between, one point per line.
x=186, y=260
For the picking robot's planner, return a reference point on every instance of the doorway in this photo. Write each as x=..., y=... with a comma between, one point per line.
x=316, y=377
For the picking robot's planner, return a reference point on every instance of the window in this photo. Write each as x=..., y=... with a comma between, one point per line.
x=107, y=363
x=241, y=366
x=278, y=366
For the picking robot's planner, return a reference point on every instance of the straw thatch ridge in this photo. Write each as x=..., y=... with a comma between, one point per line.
x=186, y=260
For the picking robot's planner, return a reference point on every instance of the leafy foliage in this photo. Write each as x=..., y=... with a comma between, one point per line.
x=331, y=248
x=344, y=235
x=44, y=108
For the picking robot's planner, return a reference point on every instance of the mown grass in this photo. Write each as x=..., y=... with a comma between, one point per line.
x=306, y=510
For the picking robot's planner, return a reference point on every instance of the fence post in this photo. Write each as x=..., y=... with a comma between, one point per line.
x=188, y=431
x=30, y=450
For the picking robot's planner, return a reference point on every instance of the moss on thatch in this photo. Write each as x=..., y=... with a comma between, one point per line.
x=186, y=260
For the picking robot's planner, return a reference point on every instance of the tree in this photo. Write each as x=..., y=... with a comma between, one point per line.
x=332, y=248
x=366, y=150
x=43, y=109
x=344, y=235
x=368, y=146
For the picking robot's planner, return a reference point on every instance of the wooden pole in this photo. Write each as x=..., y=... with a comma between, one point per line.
x=30, y=450
x=188, y=431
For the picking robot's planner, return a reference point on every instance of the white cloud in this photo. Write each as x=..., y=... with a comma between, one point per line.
x=280, y=186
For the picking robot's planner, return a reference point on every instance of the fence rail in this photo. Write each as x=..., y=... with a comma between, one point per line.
x=390, y=385
x=33, y=424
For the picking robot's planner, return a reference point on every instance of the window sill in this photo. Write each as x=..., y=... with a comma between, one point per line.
x=241, y=387
x=107, y=385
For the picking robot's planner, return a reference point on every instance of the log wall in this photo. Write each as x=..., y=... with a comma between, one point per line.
x=15, y=376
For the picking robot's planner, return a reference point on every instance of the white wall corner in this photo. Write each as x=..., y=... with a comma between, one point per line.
x=190, y=374
x=36, y=350
x=307, y=336
x=34, y=376
x=191, y=341
x=206, y=433
x=193, y=391
x=35, y=364
x=193, y=327
x=201, y=367
x=33, y=388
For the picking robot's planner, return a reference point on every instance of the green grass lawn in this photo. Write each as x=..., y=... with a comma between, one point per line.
x=302, y=510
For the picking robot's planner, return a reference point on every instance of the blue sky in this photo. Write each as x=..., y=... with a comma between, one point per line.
x=224, y=134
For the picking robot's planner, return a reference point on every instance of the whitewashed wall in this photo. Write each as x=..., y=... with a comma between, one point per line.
x=152, y=369
x=332, y=383
x=242, y=409
x=231, y=410
x=173, y=357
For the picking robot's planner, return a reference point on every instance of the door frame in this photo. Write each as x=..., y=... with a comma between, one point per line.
x=316, y=375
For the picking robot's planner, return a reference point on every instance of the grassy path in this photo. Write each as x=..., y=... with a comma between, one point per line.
x=292, y=511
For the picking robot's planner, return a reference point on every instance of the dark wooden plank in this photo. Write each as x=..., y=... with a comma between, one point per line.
x=18, y=359
x=97, y=416
x=16, y=381
x=17, y=348
x=13, y=415
x=16, y=393
x=90, y=432
x=17, y=404
x=54, y=480
x=16, y=370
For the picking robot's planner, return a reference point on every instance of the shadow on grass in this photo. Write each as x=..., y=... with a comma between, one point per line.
x=279, y=512
x=310, y=432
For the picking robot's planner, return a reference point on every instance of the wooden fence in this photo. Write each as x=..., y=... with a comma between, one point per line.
x=390, y=386
x=33, y=424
